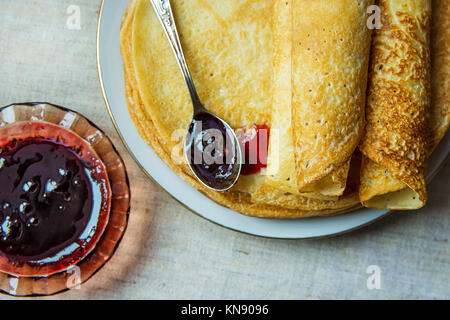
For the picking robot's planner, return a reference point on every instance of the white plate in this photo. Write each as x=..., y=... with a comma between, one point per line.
x=112, y=79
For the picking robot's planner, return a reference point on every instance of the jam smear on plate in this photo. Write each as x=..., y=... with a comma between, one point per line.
x=254, y=146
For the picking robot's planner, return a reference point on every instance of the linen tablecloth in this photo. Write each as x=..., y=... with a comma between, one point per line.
x=168, y=252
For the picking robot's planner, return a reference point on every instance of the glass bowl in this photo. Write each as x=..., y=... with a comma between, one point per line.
x=97, y=140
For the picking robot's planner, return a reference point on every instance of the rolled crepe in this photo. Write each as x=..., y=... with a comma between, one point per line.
x=395, y=141
x=330, y=55
x=281, y=171
x=440, y=74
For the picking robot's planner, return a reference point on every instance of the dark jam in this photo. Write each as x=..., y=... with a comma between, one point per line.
x=211, y=151
x=254, y=145
x=46, y=198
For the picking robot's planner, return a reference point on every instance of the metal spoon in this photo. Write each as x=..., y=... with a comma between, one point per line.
x=212, y=149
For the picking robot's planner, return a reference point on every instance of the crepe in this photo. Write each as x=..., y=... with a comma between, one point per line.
x=395, y=141
x=318, y=109
x=440, y=72
x=328, y=101
x=231, y=59
x=280, y=160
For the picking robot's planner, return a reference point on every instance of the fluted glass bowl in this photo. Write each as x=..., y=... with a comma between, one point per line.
x=119, y=206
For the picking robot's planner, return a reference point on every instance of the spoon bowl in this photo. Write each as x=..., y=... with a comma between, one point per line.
x=213, y=151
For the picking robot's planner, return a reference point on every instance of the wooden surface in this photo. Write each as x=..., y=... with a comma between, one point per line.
x=167, y=251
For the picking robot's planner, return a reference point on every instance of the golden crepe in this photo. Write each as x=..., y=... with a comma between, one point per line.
x=247, y=69
x=328, y=102
x=398, y=105
x=318, y=109
x=440, y=71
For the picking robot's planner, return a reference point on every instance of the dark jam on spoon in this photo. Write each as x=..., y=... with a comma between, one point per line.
x=46, y=199
x=211, y=151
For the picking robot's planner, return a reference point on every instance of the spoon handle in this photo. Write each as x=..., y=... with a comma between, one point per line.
x=164, y=12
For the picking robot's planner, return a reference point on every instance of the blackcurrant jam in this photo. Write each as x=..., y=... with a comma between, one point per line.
x=45, y=198
x=211, y=151
x=54, y=199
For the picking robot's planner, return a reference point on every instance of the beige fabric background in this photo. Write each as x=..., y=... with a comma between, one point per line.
x=168, y=252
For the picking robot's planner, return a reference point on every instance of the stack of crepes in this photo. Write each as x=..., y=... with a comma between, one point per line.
x=313, y=72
